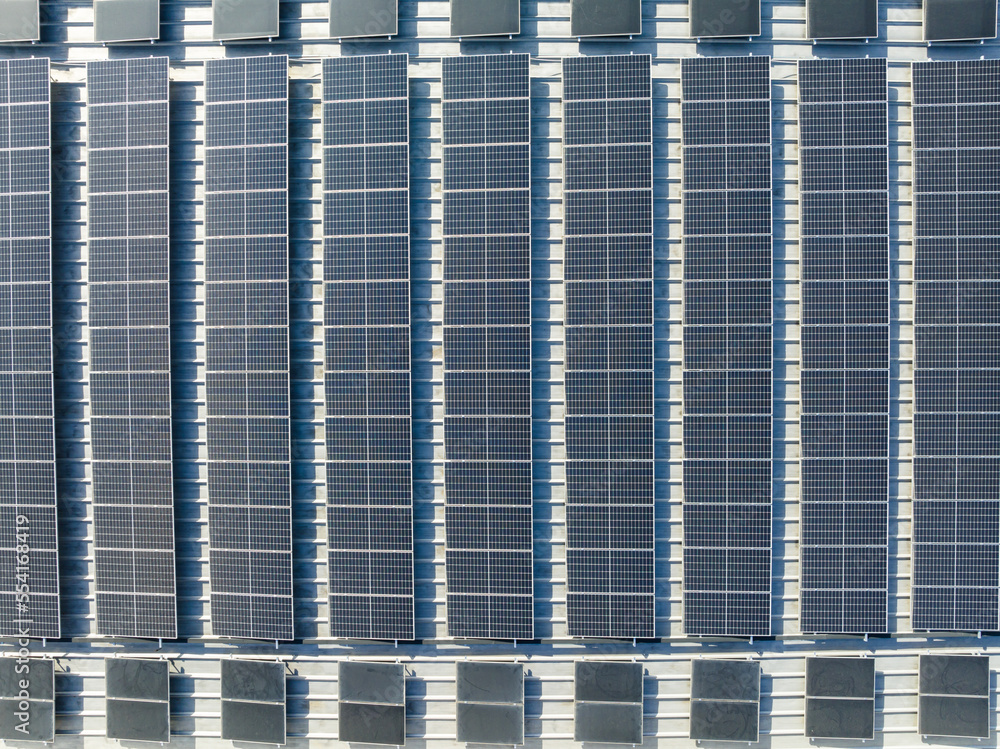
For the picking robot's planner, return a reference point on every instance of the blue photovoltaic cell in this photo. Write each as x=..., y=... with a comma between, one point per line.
x=844, y=422
x=246, y=303
x=129, y=283
x=956, y=447
x=487, y=346
x=367, y=325
x=27, y=426
x=608, y=189
x=726, y=118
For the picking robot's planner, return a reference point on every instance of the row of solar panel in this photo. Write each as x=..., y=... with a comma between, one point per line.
x=727, y=300
x=840, y=693
x=487, y=346
x=609, y=381
x=845, y=379
x=133, y=20
x=609, y=364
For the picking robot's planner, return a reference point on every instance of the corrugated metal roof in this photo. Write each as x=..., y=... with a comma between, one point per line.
x=67, y=35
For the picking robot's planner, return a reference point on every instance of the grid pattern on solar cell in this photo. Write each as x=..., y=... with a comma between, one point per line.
x=607, y=105
x=487, y=346
x=956, y=454
x=27, y=427
x=246, y=301
x=129, y=308
x=726, y=117
x=844, y=422
x=367, y=326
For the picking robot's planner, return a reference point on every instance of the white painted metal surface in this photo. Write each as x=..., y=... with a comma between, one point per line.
x=312, y=689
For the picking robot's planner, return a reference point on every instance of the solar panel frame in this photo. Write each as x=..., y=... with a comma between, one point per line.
x=247, y=350
x=610, y=383
x=28, y=483
x=381, y=18
x=137, y=699
x=502, y=5
x=845, y=16
x=728, y=355
x=849, y=597
x=608, y=702
x=13, y=28
x=955, y=585
x=370, y=572
x=251, y=11
x=735, y=701
x=487, y=346
x=126, y=14
x=931, y=8
x=954, y=696
x=42, y=700
x=579, y=13
x=259, y=697
x=849, y=702
x=489, y=682
x=373, y=683
x=130, y=392
x=371, y=703
x=716, y=27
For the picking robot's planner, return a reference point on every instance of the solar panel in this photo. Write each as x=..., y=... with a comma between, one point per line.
x=28, y=544
x=246, y=321
x=607, y=702
x=19, y=21
x=608, y=269
x=130, y=398
x=36, y=721
x=840, y=698
x=844, y=421
x=487, y=346
x=605, y=17
x=485, y=17
x=959, y=20
x=372, y=703
x=726, y=119
x=841, y=19
x=954, y=696
x=351, y=19
x=725, y=701
x=724, y=18
x=956, y=449
x=126, y=20
x=253, y=701
x=367, y=319
x=245, y=19
x=138, y=699
x=490, y=704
